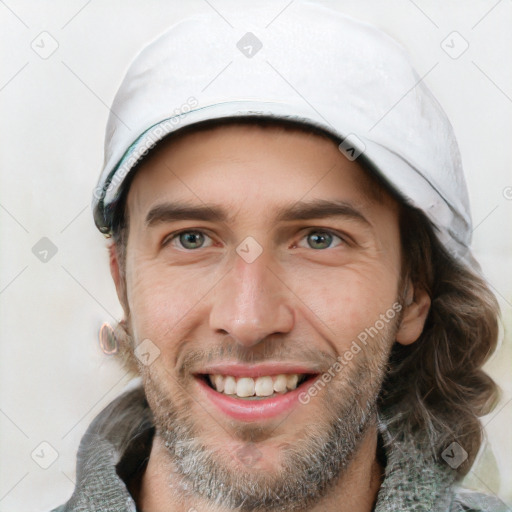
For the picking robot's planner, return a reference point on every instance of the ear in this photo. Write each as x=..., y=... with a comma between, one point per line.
x=417, y=306
x=118, y=276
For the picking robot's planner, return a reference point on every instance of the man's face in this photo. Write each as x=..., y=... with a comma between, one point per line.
x=266, y=279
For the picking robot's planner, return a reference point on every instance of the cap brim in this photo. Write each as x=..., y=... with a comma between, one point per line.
x=407, y=180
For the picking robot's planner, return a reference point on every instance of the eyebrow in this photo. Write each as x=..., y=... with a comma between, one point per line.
x=317, y=209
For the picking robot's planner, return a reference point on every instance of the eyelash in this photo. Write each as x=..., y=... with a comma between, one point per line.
x=175, y=236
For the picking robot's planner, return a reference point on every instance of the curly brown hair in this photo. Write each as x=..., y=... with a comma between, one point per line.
x=436, y=388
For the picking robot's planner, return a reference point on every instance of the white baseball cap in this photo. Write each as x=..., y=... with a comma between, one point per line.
x=310, y=65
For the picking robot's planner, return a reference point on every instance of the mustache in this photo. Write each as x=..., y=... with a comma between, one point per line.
x=194, y=359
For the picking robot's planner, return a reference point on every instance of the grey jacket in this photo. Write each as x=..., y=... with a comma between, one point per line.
x=118, y=442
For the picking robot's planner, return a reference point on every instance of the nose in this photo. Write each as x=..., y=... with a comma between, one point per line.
x=251, y=303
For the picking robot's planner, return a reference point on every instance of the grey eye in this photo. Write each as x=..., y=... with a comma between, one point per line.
x=191, y=239
x=319, y=239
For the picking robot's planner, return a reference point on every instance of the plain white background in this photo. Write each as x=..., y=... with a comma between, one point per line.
x=54, y=378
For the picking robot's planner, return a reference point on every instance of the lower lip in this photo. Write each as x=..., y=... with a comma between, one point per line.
x=252, y=410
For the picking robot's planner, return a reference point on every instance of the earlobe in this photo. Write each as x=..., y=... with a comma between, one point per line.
x=416, y=308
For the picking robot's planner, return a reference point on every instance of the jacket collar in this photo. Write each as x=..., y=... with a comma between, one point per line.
x=118, y=442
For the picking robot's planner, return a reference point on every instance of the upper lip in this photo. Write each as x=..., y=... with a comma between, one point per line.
x=257, y=370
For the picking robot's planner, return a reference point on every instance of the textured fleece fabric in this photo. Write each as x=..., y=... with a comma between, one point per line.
x=118, y=442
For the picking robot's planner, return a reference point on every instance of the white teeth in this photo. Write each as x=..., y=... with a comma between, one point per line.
x=218, y=382
x=291, y=381
x=280, y=384
x=230, y=385
x=264, y=386
x=245, y=387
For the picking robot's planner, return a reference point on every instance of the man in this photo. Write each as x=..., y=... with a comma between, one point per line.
x=290, y=245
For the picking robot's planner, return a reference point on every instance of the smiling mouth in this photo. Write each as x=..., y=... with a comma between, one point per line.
x=260, y=388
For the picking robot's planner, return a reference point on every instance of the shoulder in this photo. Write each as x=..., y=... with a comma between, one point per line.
x=466, y=500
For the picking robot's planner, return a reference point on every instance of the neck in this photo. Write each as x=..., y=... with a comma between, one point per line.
x=355, y=491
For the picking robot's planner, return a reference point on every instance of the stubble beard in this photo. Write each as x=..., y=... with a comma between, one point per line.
x=309, y=467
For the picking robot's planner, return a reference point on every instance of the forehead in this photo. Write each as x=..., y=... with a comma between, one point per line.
x=274, y=159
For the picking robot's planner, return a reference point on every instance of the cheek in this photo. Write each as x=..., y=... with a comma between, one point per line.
x=164, y=301
x=343, y=303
